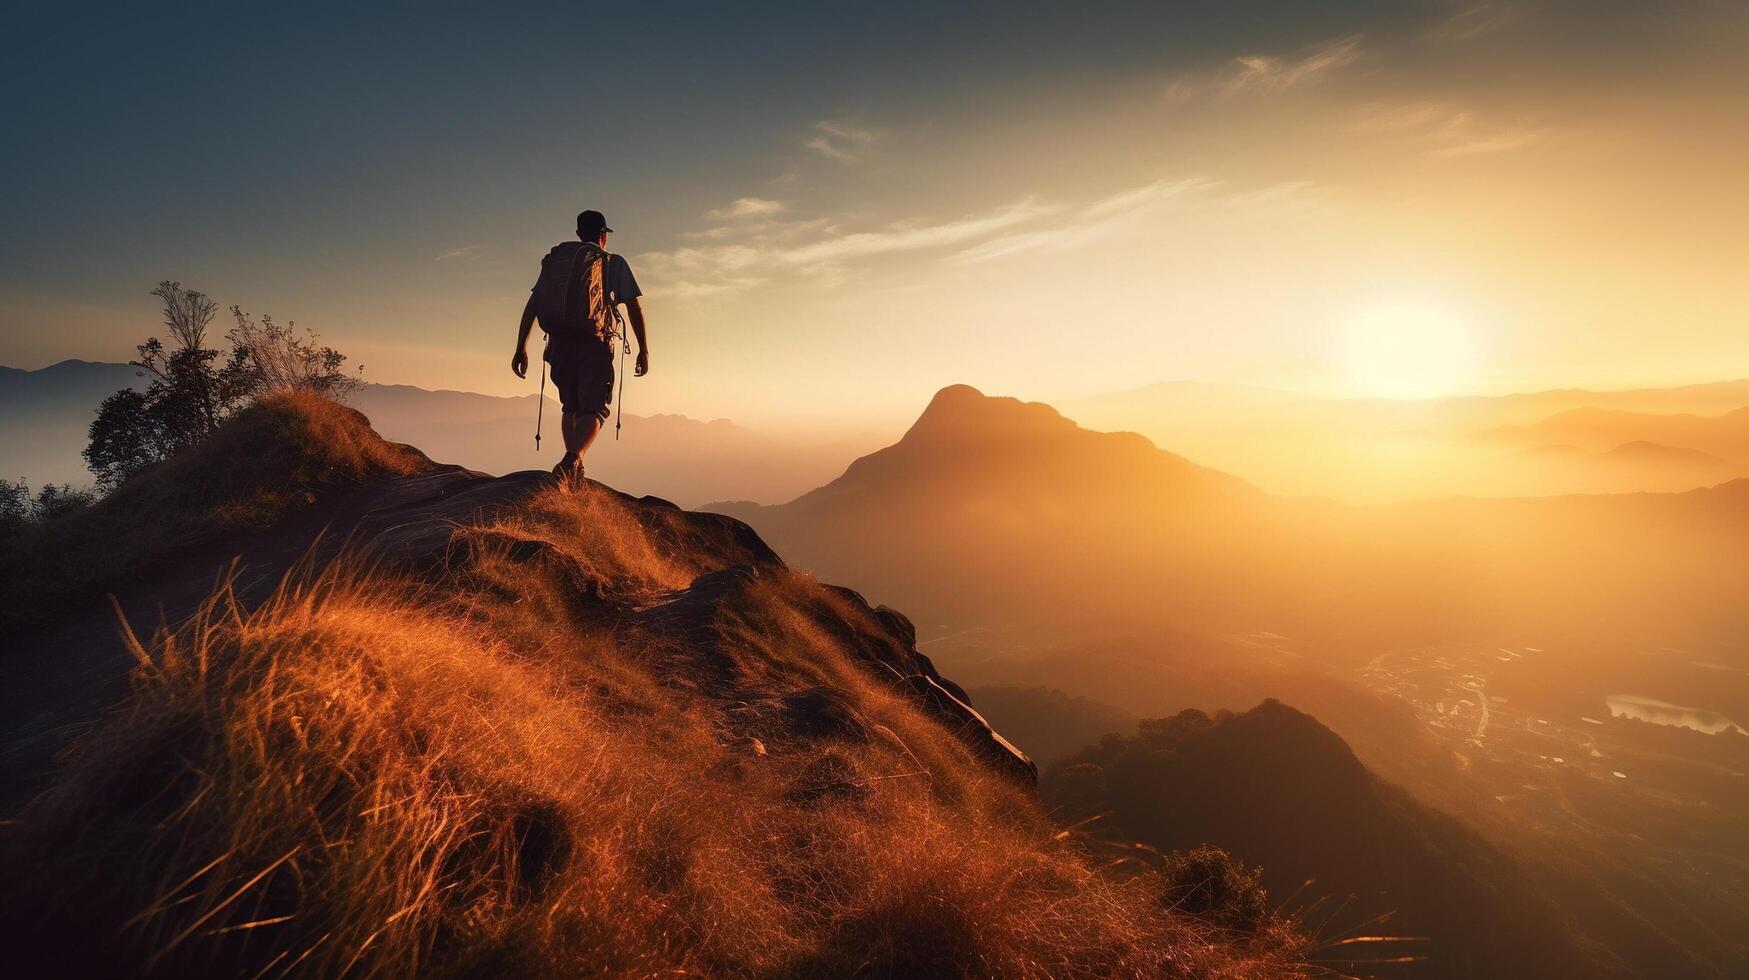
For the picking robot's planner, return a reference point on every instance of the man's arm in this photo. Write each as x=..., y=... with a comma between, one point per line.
x=635, y=312
x=519, y=360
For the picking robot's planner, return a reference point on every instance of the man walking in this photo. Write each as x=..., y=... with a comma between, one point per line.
x=576, y=299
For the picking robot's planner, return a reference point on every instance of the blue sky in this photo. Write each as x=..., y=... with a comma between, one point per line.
x=836, y=209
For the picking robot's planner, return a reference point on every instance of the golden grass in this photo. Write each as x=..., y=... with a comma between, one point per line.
x=498, y=775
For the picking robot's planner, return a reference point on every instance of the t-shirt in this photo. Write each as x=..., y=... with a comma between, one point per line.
x=620, y=282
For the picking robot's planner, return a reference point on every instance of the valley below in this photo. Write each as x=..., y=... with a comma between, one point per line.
x=1628, y=807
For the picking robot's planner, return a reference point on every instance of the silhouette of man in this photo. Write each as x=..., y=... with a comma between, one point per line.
x=579, y=289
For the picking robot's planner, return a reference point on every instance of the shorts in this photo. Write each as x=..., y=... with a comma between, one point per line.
x=583, y=373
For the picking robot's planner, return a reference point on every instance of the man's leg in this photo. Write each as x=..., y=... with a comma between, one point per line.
x=579, y=430
x=586, y=408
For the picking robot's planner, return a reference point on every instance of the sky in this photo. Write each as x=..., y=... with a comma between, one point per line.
x=835, y=210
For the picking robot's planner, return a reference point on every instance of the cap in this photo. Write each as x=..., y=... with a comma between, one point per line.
x=592, y=220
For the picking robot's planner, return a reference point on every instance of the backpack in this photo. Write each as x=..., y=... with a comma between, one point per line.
x=571, y=299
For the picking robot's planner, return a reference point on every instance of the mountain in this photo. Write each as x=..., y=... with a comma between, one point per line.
x=1627, y=468
x=1163, y=404
x=990, y=511
x=671, y=456
x=1373, y=450
x=1275, y=788
x=1724, y=436
x=991, y=507
x=44, y=416
x=498, y=727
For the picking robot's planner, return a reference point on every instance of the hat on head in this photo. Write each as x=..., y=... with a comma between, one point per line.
x=592, y=222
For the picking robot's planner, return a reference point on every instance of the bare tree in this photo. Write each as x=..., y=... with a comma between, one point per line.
x=187, y=314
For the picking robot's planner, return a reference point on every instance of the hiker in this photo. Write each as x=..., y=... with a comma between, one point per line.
x=577, y=298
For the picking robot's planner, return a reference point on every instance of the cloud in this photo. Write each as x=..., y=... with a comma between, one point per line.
x=819, y=250
x=908, y=238
x=822, y=251
x=849, y=134
x=1477, y=20
x=1445, y=129
x=1103, y=217
x=841, y=142
x=1258, y=75
x=1090, y=222
x=746, y=207
x=457, y=253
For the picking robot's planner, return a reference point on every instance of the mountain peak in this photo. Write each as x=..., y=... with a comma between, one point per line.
x=958, y=411
x=954, y=395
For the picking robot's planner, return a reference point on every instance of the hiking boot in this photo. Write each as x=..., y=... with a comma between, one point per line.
x=568, y=471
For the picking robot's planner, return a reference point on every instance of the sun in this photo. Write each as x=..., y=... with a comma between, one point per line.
x=1402, y=350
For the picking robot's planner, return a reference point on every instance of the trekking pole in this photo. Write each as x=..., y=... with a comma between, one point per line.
x=625, y=347
x=541, y=406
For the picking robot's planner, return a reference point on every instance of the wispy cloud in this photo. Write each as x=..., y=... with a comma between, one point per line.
x=1477, y=20
x=1110, y=215
x=912, y=237
x=840, y=141
x=746, y=207
x=1445, y=129
x=1259, y=74
x=1089, y=223
x=824, y=251
x=457, y=253
x=820, y=250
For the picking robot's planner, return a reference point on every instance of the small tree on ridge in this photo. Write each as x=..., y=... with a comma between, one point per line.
x=191, y=392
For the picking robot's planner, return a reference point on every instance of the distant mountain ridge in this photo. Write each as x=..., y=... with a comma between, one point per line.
x=990, y=505
x=1162, y=400
x=1724, y=436
x=1371, y=450
x=44, y=415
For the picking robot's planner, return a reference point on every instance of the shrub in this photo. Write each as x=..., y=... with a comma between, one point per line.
x=1211, y=884
x=54, y=500
x=16, y=512
x=19, y=510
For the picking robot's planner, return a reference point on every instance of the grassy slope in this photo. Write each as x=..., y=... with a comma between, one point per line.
x=587, y=746
x=272, y=459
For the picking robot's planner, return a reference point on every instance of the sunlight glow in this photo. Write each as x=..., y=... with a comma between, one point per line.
x=1409, y=351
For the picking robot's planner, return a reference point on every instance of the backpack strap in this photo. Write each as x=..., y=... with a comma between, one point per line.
x=570, y=280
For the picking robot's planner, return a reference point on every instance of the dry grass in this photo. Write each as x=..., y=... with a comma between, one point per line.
x=540, y=768
x=273, y=458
